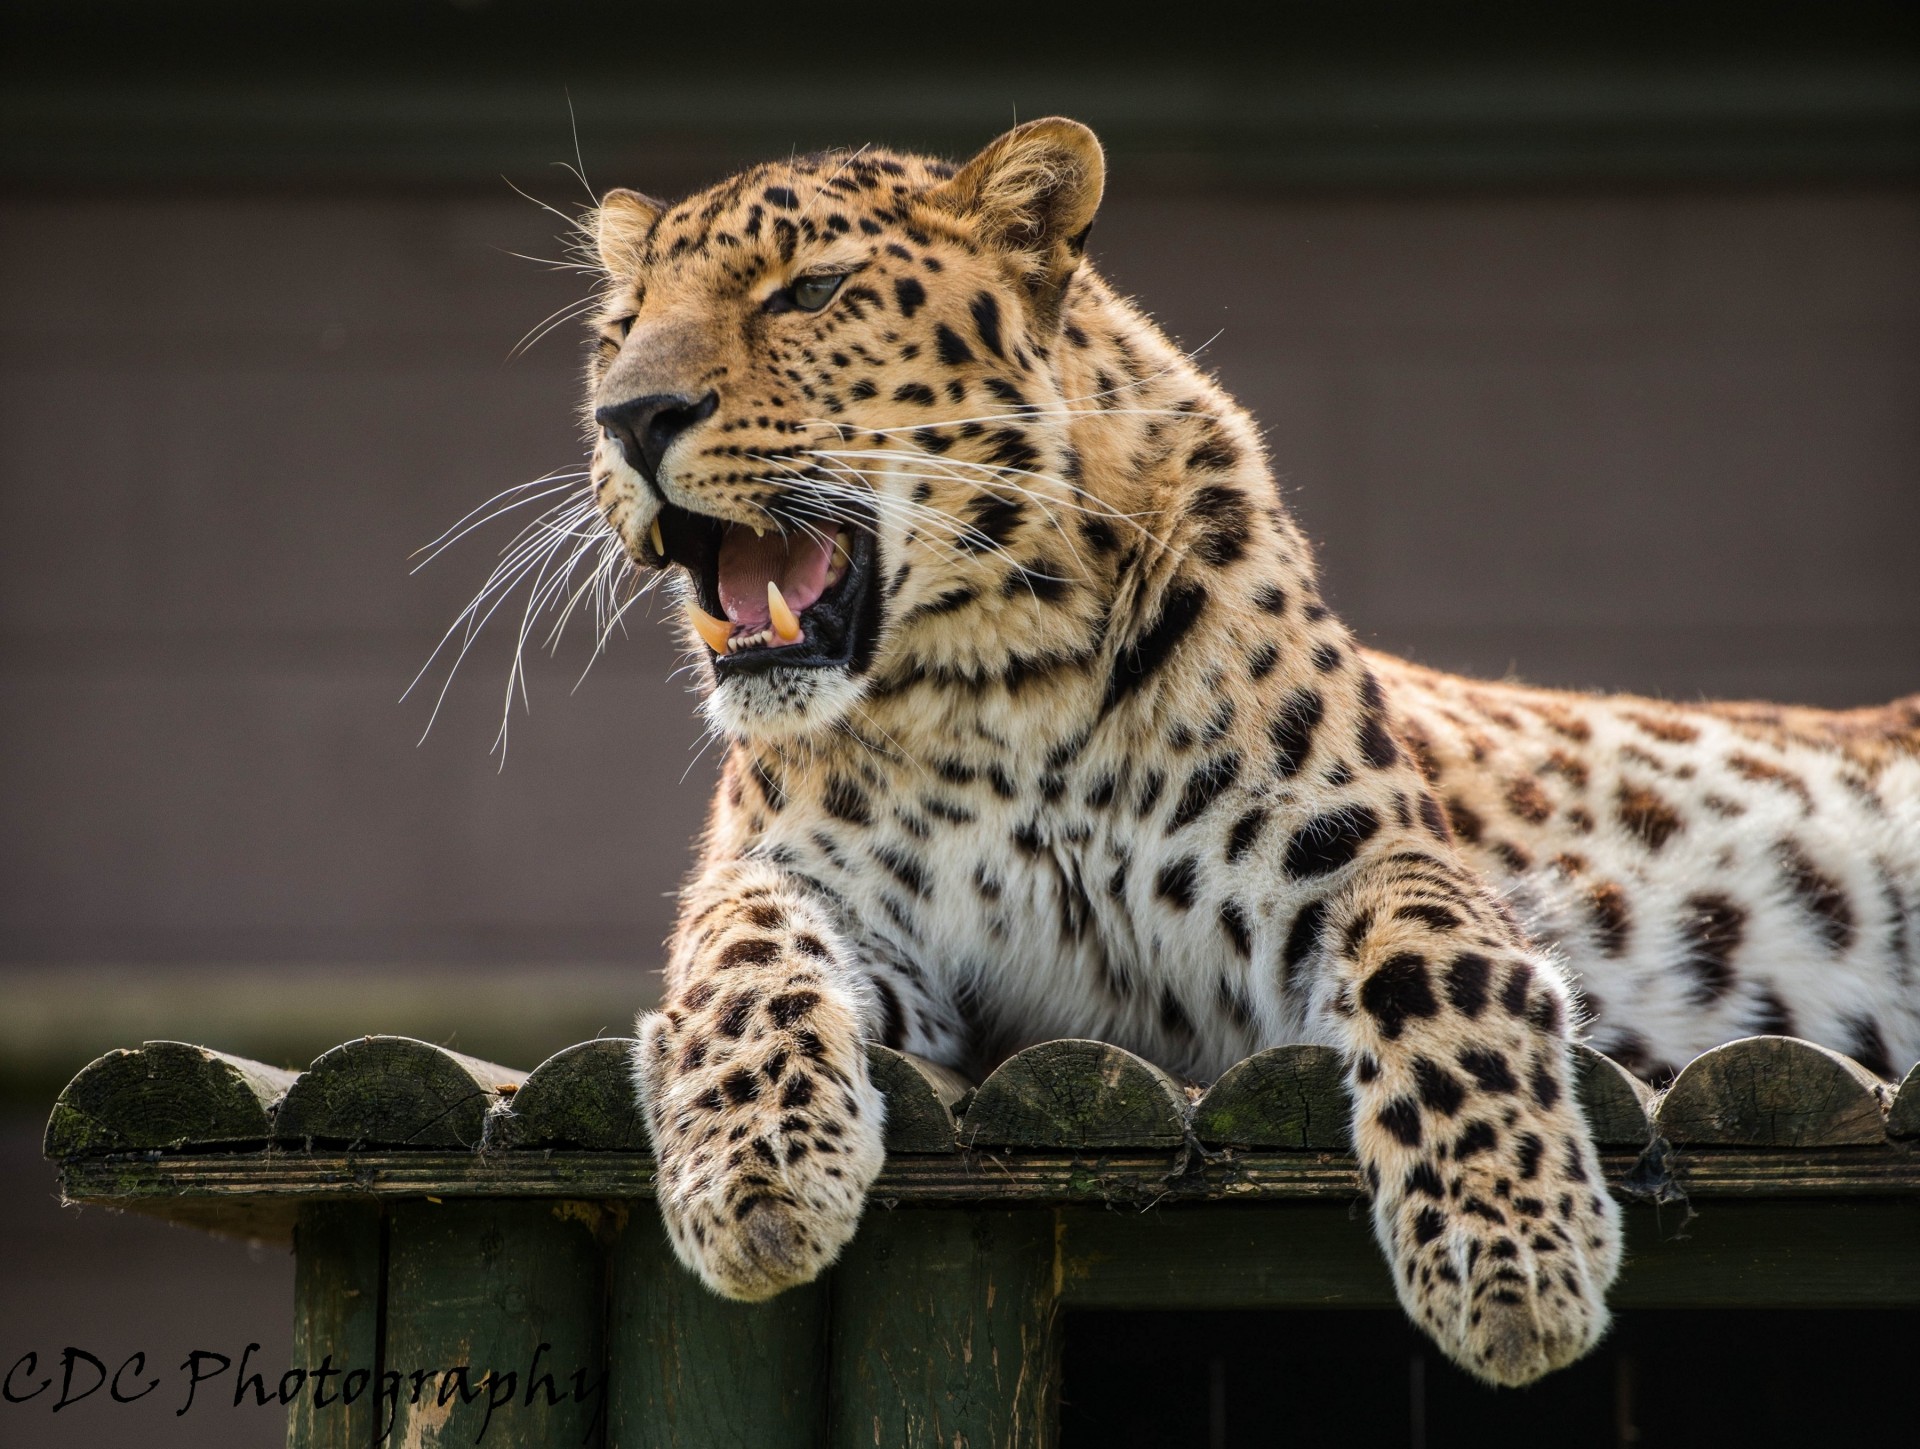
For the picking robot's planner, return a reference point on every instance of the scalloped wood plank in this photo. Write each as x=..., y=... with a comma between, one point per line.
x=920, y=1099
x=1286, y=1096
x=165, y=1096
x=1076, y=1093
x=1617, y=1103
x=393, y=1091
x=581, y=1096
x=1771, y=1091
x=1904, y=1118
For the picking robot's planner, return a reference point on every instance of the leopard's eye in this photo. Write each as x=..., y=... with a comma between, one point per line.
x=810, y=294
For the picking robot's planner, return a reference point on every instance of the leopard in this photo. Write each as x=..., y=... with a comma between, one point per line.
x=1037, y=724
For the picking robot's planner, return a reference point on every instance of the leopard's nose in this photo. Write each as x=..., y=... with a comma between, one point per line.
x=645, y=427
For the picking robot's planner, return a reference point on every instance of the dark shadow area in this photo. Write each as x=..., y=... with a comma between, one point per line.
x=1233, y=1380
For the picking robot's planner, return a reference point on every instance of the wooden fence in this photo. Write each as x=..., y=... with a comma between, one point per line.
x=457, y=1222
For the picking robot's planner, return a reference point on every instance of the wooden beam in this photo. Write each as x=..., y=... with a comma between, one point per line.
x=392, y=1091
x=1076, y=1093
x=921, y=1096
x=1772, y=1091
x=1903, y=1118
x=580, y=1097
x=1287, y=1096
x=163, y=1096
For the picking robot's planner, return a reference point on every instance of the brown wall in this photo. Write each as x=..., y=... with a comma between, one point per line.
x=1632, y=439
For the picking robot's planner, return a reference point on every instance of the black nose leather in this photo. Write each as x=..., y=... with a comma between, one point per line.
x=645, y=427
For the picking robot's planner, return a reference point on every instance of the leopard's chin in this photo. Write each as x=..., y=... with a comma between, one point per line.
x=777, y=705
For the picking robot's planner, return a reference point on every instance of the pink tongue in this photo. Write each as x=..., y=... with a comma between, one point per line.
x=798, y=563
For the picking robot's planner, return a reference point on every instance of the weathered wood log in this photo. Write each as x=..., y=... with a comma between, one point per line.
x=1904, y=1118
x=336, y=1324
x=495, y=1318
x=689, y=1367
x=946, y=1331
x=1616, y=1102
x=1286, y=1096
x=164, y=1096
x=392, y=1091
x=1771, y=1091
x=1075, y=1093
x=920, y=1098
x=581, y=1096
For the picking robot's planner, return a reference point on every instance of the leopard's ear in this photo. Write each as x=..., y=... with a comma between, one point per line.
x=620, y=225
x=1033, y=193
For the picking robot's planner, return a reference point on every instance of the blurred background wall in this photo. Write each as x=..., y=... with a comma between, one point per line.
x=1587, y=338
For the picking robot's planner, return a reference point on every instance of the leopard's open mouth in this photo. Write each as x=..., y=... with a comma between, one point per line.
x=789, y=596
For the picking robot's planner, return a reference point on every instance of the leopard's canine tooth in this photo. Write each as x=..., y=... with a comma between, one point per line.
x=714, y=631
x=785, y=622
x=653, y=534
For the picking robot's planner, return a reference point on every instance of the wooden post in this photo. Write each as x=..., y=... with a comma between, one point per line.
x=688, y=1368
x=495, y=1330
x=338, y=1273
x=946, y=1332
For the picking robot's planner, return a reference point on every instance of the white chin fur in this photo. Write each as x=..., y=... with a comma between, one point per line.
x=782, y=704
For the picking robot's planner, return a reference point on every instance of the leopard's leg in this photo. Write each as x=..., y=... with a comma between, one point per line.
x=1487, y=1194
x=766, y=1128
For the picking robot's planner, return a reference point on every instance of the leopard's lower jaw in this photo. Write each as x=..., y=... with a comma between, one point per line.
x=782, y=705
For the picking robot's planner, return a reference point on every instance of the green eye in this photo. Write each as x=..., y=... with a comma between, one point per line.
x=810, y=294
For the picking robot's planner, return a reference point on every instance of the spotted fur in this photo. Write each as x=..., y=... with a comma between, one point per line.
x=1101, y=762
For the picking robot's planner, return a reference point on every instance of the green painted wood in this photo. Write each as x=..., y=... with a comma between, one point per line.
x=1903, y=1120
x=1616, y=1102
x=1772, y=1091
x=1074, y=1093
x=513, y=1294
x=1773, y=1255
x=1304, y=1255
x=688, y=1367
x=1286, y=1096
x=337, y=1270
x=946, y=1332
x=920, y=1100
x=164, y=1096
x=582, y=1096
x=392, y=1091
x=1731, y=1254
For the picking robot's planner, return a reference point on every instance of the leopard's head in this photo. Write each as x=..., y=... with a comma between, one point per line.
x=824, y=393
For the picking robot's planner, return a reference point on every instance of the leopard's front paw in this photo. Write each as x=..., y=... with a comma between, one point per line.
x=1504, y=1241
x=767, y=1132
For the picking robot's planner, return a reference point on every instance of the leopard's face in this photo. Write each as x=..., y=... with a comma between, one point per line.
x=821, y=394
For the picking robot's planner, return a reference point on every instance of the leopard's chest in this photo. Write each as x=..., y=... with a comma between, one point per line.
x=1072, y=901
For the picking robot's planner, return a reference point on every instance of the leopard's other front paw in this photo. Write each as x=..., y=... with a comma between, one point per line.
x=767, y=1132
x=1503, y=1241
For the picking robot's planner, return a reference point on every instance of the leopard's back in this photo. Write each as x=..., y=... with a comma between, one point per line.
x=1707, y=871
